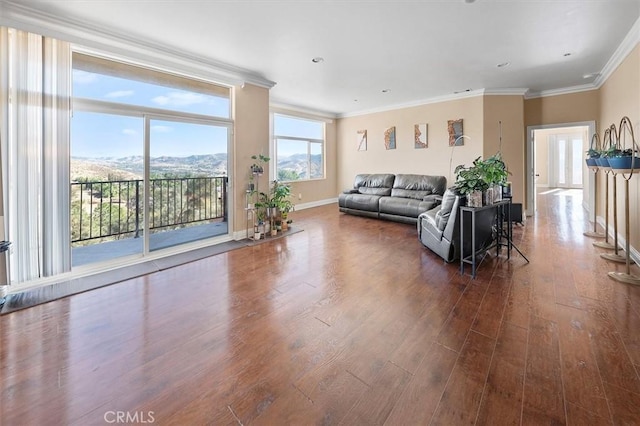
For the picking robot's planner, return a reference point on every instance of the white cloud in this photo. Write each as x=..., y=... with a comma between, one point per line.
x=129, y=132
x=180, y=99
x=162, y=129
x=83, y=77
x=119, y=94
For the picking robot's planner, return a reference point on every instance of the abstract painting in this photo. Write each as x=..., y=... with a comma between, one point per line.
x=390, y=138
x=420, y=136
x=455, y=131
x=362, y=140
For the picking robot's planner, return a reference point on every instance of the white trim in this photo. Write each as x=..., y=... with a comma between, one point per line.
x=318, y=203
x=131, y=49
x=628, y=44
x=435, y=100
x=634, y=254
x=562, y=91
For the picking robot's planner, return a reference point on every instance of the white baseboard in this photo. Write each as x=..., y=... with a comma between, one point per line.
x=633, y=253
x=242, y=234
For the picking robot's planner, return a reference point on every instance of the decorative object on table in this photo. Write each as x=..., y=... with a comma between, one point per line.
x=592, y=154
x=610, y=144
x=481, y=176
x=454, y=127
x=361, y=140
x=625, y=134
x=390, y=138
x=420, y=136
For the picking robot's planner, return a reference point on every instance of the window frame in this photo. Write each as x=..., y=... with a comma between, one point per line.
x=309, y=141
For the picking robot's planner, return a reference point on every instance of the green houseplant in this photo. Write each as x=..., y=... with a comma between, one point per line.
x=479, y=177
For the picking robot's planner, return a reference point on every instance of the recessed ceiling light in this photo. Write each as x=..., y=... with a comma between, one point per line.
x=317, y=60
x=386, y=90
x=503, y=64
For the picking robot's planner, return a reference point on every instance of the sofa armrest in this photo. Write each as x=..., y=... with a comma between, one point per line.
x=436, y=198
x=350, y=191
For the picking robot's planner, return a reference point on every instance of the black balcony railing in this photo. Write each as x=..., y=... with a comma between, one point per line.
x=115, y=208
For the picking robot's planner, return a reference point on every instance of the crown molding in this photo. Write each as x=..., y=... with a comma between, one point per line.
x=563, y=91
x=519, y=91
x=434, y=100
x=100, y=39
x=628, y=44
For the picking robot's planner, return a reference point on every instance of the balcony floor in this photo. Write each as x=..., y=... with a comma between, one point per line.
x=158, y=240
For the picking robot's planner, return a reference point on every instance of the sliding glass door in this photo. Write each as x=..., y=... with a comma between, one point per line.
x=187, y=182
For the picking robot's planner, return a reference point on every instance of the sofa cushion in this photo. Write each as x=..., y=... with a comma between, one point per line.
x=374, y=184
x=418, y=186
x=359, y=202
x=404, y=206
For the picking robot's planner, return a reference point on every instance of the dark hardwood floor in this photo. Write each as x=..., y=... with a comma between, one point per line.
x=350, y=322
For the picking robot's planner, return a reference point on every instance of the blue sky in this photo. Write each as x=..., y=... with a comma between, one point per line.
x=106, y=135
x=98, y=135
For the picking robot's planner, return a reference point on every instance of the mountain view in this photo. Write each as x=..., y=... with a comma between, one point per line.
x=130, y=168
x=126, y=168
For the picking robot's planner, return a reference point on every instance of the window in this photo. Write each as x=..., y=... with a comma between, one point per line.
x=299, y=148
x=148, y=164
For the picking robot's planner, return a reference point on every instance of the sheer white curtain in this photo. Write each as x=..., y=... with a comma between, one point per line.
x=35, y=98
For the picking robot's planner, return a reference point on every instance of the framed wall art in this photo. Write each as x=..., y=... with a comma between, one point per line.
x=455, y=132
x=420, y=136
x=361, y=140
x=390, y=138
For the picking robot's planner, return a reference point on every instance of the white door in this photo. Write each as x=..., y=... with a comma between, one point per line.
x=565, y=160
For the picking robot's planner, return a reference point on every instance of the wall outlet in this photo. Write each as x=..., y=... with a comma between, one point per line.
x=300, y=196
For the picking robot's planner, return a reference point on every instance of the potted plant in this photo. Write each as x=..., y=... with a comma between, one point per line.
x=471, y=182
x=625, y=159
x=495, y=173
x=257, y=168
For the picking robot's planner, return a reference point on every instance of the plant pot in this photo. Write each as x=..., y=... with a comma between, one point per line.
x=591, y=163
x=624, y=163
x=488, y=195
x=257, y=236
x=497, y=193
x=474, y=199
x=274, y=232
x=602, y=162
x=285, y=226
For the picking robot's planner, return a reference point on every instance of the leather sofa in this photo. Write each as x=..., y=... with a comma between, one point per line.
x=397, y=197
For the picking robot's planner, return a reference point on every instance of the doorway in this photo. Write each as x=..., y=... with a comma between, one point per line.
x=555, y=159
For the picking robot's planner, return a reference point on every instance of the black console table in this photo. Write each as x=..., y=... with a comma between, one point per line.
x=488, y=226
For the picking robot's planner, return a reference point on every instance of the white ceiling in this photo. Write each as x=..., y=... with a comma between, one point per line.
x=418, y=50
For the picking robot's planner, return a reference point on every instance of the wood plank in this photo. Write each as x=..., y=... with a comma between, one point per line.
x=418, y=402
x=502, y=398
x=580, y=376
x=462, y=396
x=543, y=393
x=376, y=403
